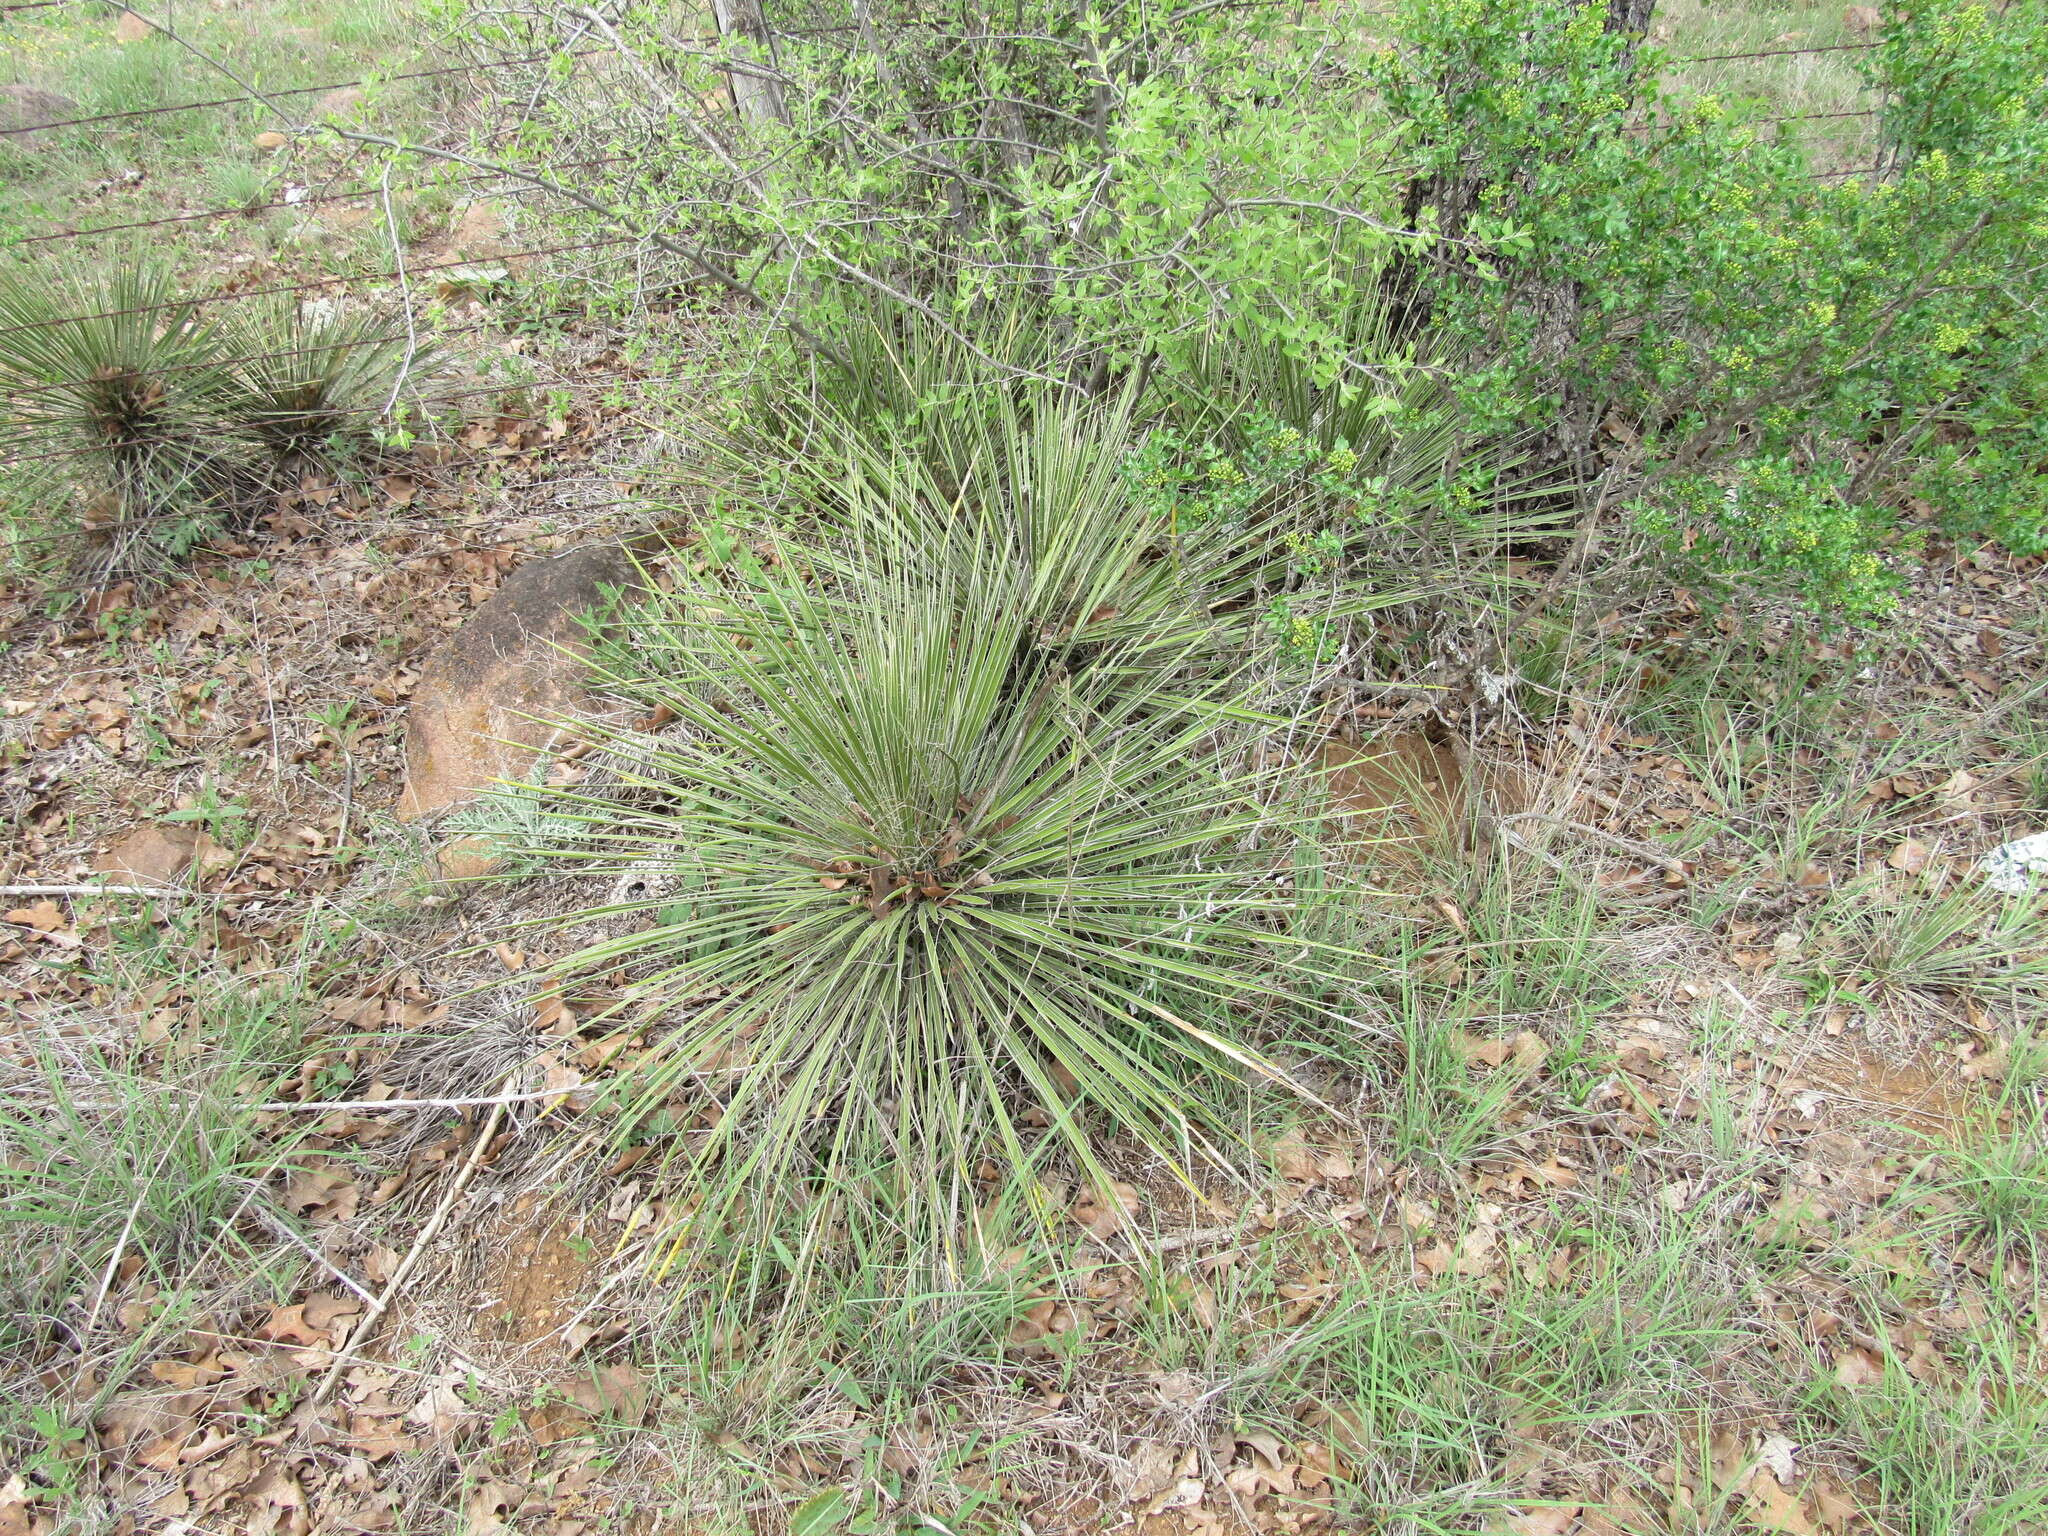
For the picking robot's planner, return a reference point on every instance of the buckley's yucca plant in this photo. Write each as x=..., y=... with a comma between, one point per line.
x=1032, y=484
x=305, y=379
x=910, y=892
x=113, y=373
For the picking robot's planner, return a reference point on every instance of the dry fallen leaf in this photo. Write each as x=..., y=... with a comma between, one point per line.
x=1479, y=1051
x=321, y=1194
x=1774, y=1507
x=440, y=1409
x=16, y=1515
x=1548, y=1520
x=1910, y=857
x=1776, y=1452
x=615, y=1392
x=1293, y=1158
x=1859, y=1367
x=1101, y=1215
x=43, y=917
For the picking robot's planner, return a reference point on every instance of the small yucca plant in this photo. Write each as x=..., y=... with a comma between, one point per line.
x=305, y=379
x=915, y=892
x=116, y=374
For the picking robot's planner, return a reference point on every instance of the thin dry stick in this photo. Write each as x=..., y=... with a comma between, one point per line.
x=361, y=1334
x=99, y=890
x=322, y=1106
x=1663, y=858
x=114, y=1258
x=412, y=336
x=283, y=1229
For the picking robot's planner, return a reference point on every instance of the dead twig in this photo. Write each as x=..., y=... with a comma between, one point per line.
x=361, y=1333
x=321, y=1106
x=1663, y=858
x=177, y=892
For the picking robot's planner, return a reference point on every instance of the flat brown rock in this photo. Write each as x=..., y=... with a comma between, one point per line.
x=24, y=108
x=484, y=704
x=159, y=855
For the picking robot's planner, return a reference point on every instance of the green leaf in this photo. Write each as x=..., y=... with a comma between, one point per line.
x=821, y=1512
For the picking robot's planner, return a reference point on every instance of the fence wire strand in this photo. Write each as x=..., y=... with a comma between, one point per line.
x=430, y=403
x=331, y=282
x=250, y=211
x=297, y=90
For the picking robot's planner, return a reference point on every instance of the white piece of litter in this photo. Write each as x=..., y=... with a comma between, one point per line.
x=2011, y=868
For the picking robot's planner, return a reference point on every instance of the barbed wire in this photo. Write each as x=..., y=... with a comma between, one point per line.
x=247, y=210
x=1769, y=53
x=299, y=90
x=1766, y=122
x=252, y=210
x=396, y=273
x=402, y=272
x=657, y=498
x=340, y=344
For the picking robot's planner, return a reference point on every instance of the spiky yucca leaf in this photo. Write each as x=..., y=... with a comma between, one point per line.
x=304, y=377
x=916, y=383
x=111, y=362
x=113, y=373
x=920, y=893
x=1046, y=499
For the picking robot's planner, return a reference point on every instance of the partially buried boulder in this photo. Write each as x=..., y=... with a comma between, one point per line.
x=27, y=108
x=488, y=697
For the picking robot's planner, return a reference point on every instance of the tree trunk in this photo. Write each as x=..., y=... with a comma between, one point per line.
x=742, y=22
x=1630, y=16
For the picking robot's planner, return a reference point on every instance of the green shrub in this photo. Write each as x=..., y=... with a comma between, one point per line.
x=1132, y=180
x=1990, y=479
x=1751, y=358
x=1659, y=298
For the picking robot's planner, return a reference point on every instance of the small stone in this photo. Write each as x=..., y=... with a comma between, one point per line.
x=342, y=101
x=488, y=696
x=25, y=108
